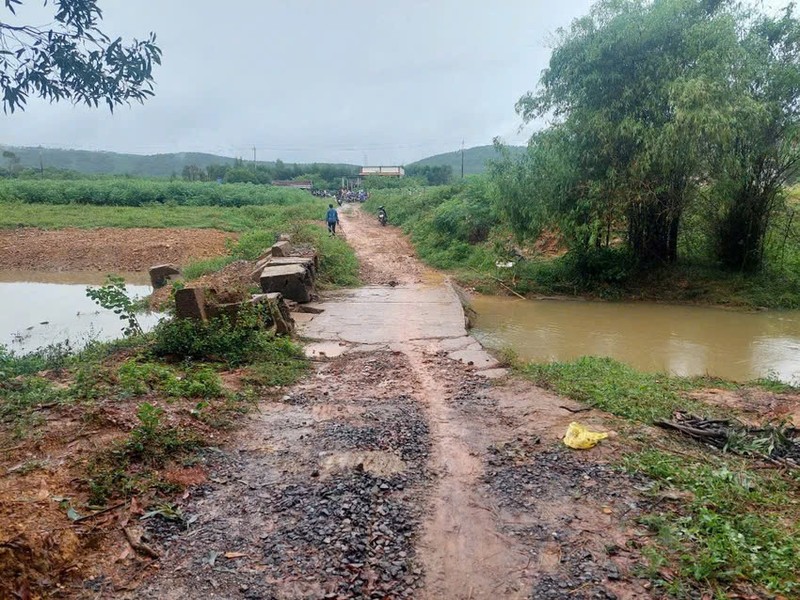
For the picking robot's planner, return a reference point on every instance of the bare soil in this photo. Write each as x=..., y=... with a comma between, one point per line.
x=104, y=249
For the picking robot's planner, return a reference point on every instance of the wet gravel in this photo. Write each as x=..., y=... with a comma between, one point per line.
x=396, y=425
x=352, y=532
x=524, y=479
x=521, y=477
x=302, y=531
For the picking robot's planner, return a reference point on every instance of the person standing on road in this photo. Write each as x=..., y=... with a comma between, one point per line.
x=333, y=218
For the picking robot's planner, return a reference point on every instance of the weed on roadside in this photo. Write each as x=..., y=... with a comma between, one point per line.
x=617, y=388
x=734, y=525
x=128, y=466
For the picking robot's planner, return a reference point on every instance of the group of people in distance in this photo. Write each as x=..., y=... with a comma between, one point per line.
x=345, y=195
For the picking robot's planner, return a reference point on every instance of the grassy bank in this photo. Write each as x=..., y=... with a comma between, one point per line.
x=721, y=521
x=456, y=228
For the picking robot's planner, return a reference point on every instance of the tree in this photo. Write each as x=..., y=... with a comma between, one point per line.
x=193, y=173
x=72, y=60
x=434, y=174
x=623, y=84
x=759, y=154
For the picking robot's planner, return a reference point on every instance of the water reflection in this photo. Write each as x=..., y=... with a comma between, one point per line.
x=34, y=315
x=684, y=340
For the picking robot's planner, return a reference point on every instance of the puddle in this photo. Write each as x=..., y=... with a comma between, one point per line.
x=51, y=308
x=684, y=340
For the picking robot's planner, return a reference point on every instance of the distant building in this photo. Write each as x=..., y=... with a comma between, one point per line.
x=300, y=185
x=382, y=171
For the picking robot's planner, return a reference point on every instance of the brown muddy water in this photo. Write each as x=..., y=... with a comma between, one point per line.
x=40, y=308
x=683, y=340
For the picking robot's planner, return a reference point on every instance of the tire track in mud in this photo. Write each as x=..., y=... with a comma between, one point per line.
x=464, y=554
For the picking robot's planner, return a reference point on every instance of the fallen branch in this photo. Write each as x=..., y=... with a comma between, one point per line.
x=576, y=410
x=136, y=543
x=99, y=512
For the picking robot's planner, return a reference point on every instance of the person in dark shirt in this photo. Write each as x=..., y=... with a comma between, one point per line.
x=333, y=218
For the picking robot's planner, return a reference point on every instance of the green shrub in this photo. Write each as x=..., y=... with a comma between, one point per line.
x=144, y=192
x=137, y=378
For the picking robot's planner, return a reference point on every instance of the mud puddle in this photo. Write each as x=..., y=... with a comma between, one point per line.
x=40, y=313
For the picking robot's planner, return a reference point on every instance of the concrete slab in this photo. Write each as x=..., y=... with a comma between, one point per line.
x=496, y=373
x=326, y=349
x=301, y=319
x=459, y=343
x=385, y=315
x=282, y=248
x=307, y=262
x=292, y=281
x=160, y=275
x=479, y=358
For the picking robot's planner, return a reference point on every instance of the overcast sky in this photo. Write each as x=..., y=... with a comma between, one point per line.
x=315, y=80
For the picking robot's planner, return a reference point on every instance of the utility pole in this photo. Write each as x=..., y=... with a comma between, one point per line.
x=462, y=159
x=254, y=158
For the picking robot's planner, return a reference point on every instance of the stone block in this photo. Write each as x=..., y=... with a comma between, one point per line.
x=281, y=317
x=292, y=281
x=274, y=309
x=265, y=254
x=190, y=303
x=307, y=262
x=282, y=248
x=160, y=275
x=255, y=274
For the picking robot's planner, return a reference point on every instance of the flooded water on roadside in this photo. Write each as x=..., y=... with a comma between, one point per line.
x=40, y=308
x=684, y=340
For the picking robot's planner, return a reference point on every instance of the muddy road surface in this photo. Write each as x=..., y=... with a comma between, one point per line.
x=407, y=464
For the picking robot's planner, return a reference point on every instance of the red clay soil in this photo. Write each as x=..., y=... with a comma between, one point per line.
x=104, y=249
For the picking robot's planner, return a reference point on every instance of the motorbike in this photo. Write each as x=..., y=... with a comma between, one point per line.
x=382, y=218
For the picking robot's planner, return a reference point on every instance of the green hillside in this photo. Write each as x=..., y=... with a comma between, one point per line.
x=114, y=163
x=474, y=159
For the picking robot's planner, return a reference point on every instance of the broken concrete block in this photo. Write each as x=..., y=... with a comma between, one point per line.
x=282, y=248
x=265, y=254
x=307, y=262
x=293, y=281
x=279, y=312
x=255, y=274
x=160, y=275
x=190, y=303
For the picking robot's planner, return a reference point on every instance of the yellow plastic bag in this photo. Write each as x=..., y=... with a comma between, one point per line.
x=580, y=438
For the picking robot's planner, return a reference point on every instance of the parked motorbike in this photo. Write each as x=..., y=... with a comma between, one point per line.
x=382, y=217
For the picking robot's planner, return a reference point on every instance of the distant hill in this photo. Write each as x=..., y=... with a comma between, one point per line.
x=474, y=159
x=114, y=163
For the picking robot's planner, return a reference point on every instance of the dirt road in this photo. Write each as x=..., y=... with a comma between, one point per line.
x=404, y=466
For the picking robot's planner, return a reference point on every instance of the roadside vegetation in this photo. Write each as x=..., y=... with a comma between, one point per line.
x=671, y=180
x=461, y=228
x=724, y=520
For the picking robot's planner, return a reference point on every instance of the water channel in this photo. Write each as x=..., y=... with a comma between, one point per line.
x=683, y=340
x=42, y=308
